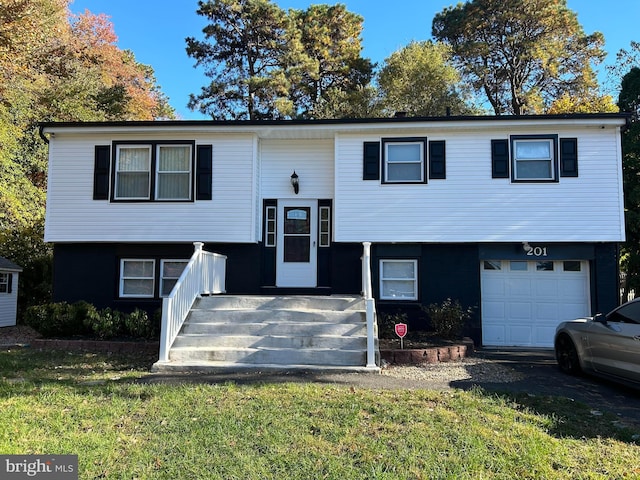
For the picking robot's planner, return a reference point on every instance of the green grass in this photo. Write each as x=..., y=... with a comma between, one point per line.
x=94, y=406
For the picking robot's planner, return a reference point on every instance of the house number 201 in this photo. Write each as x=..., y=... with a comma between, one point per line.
x=536, y=251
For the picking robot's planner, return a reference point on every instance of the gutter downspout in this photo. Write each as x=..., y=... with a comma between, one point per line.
x=42, y=135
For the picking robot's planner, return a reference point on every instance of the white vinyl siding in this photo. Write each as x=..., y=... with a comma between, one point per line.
x=471, y=206
x=8, y=301
x=311, y=159
x=73, y=216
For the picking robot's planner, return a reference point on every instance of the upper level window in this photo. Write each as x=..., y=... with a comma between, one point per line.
x=404, y=160
x=4, y=282
x=154, y=172
x=133, y=172
x=534, y=159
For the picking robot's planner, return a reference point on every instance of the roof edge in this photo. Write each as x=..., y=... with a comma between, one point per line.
x=345, y=121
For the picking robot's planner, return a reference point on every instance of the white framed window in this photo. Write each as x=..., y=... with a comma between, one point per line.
x=154, y=171
x=325, y=227
x=133, y=172
x=4, y=282
x=137, y=277
x=398, y=279
x=170, y=271
x=404, y=160
x=270, y=225
x=534, y=159
x=173, y=172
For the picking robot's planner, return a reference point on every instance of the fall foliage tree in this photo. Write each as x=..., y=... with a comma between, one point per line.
x=55, y=67
x=521, y=54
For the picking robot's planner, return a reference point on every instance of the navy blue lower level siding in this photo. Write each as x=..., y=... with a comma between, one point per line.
x=90, y=272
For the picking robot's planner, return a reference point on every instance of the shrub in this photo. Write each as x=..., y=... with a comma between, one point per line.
x=38, y=317
x=137, y=324
x=448, y=318
x=107, y=323
x=58, y=319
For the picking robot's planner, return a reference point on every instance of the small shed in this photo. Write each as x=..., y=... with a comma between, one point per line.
x=9, y=273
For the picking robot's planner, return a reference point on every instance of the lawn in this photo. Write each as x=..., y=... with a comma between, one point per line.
x=96, y=407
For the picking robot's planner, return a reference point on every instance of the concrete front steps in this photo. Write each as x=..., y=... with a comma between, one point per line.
x=225, y=332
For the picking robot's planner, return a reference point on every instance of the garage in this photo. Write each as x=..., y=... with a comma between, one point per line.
x=523, y=301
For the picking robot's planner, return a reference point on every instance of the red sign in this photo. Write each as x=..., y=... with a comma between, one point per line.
x=401, y=329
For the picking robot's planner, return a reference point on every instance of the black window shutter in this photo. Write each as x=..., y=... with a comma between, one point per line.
x=10, y=284
x=204, y=172
x=437, y=159
x=371, y=161
x=568, y=157
x=101, y=169
x=500, y=158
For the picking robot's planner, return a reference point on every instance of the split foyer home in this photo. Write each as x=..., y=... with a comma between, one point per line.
x=519, y=217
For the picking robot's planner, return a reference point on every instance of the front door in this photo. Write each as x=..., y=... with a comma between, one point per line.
x=296, y=253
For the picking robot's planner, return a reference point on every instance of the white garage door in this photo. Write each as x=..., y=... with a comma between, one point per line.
x=523, y=301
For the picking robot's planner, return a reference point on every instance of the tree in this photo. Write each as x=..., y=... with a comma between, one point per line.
x=55, y=66
x=629, y=101
x=265, y=63
x=522, y=54
x=246, y=50
x=332, y=66
x=419, y=80
x=362, y=102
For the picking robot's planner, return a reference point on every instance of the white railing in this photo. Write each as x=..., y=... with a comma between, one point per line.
x=370, y=304
x=204, y=274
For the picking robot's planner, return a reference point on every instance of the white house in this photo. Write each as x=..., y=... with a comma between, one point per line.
x=520, y=217
x=9, y=274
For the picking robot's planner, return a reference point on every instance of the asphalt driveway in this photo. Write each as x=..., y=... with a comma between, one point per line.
x=541, y=376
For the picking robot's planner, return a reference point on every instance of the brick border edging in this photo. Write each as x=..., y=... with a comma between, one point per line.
x=417, y=356
x=102, y=346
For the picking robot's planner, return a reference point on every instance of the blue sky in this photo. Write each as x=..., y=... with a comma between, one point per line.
x=155, y=31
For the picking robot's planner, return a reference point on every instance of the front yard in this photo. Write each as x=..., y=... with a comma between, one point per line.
x=96, y=407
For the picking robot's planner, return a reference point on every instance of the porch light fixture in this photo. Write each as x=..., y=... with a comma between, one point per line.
x=294, y=182
x=526, y=247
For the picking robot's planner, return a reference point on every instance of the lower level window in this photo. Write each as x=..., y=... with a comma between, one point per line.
x=398, y=279
x=171, y=271
x=137, y=277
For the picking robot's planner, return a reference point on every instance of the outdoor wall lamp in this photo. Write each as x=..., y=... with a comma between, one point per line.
x=294, y=182
x=526, y=247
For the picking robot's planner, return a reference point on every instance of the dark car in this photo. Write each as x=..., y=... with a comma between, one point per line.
x=604, y=345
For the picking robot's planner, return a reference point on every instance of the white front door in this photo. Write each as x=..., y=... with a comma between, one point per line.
x=296, y=252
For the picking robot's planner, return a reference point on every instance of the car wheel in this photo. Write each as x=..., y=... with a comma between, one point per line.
x=567, y=355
